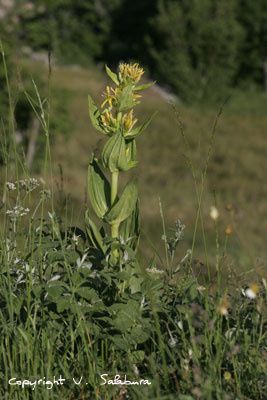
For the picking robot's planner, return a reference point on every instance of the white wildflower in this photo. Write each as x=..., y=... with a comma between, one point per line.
x=252, y=291
x=155, y=270
x=75, y=239
x=172, y=341
x=214, y=213
x=10, y=186
x=180, y=325
x=17, y=211
x=54, y=278
x=29, y=184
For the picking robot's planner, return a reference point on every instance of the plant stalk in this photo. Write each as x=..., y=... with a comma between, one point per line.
x=114, y=192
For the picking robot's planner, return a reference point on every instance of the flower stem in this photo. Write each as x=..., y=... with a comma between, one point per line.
x=114, y=186
x=114, y=192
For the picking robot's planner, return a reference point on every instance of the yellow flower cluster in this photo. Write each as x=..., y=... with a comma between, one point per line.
x=108, y=120
x=111, y=115
x=128, y=121
x=110, y=95
x=130, y=72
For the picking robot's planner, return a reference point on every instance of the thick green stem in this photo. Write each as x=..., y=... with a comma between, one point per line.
x=114, y=186
x=114, y=192
x=114, y=231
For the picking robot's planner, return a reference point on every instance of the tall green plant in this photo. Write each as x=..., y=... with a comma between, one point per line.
x=115, y=119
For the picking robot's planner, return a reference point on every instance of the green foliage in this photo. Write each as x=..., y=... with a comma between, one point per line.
x=103, y=318
x=252, y=55
x=196, y=58
x=78, y=26
x=200, y=49
x=124, y=207
x=98, y=189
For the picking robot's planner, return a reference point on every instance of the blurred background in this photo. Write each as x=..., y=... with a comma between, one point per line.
x=202, y=54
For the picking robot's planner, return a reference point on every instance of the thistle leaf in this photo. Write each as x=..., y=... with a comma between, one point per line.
x=112, y=75
x=124, y=206
x=98, y=189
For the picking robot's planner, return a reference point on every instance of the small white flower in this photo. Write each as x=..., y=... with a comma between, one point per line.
x=155, y=270
x=136, y=370
x=252, y=291
x=54, y=278
x=125, y=256
x=28, y=184
x=75, y=239
x=214, y=213
x=17, y=212
x=180, y=325
x=172, y=341
x=250, y=294
x=10, y=186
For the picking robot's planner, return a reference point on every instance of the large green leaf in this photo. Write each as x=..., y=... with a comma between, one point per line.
x=88, y=294
x=114, y=154
x=98, y=189
x=130, y=228
x=124, y=206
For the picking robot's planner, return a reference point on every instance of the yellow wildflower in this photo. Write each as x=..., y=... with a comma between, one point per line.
x=108, y=120
x=130, y=72
x=128, y=121
x=111, y=95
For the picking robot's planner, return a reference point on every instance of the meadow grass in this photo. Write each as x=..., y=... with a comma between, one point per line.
x=194, y=336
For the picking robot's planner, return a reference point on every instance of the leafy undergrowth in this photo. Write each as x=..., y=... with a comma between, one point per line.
x=68, y=312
